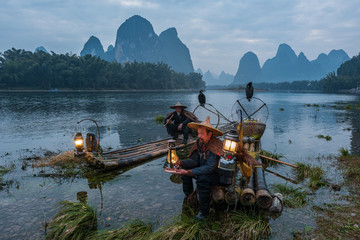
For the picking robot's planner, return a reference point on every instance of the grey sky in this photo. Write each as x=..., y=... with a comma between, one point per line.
x=217, y=33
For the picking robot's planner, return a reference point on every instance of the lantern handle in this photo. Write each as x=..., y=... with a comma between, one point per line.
x=97, y=126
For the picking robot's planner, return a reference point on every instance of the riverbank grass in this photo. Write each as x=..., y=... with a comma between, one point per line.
x=136, y=230
x=327, y=137
x=314, y=174
x=159, y=119
x=293, y=197
x=75, y=220
x=79, y=221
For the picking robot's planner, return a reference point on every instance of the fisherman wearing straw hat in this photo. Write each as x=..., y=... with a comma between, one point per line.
x=177, y=121
x=203, y=165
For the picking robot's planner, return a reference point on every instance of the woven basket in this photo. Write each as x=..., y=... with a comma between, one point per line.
x=254, y=129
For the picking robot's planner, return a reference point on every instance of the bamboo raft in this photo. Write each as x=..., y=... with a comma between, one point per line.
x=133, y=155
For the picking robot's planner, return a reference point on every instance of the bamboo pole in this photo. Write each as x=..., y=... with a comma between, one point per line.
x=275, y=160
x=168, y=120
x=280, y=176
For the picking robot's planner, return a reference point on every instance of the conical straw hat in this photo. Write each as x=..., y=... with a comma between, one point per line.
x=206, y=124
x=178, y=104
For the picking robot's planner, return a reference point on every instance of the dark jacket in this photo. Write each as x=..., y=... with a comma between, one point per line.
x=184, y=118
x=204, y=161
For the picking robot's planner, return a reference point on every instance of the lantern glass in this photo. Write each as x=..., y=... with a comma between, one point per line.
x=79, y=141
x=227, y=145
x=172, y=157
x=230, y=145
x=231, y=141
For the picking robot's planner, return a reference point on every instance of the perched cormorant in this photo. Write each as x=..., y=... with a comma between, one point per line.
x=249, y=91
x=202, y=98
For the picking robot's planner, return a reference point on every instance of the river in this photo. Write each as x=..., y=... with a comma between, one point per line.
x=34, y=123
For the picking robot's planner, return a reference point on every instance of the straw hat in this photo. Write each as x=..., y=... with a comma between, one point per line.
x=178, y=104
x=206, y=124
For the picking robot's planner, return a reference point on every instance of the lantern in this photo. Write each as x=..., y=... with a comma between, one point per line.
x=172, y=157
x=231, y=142
x=230, y=147
x=79, y=142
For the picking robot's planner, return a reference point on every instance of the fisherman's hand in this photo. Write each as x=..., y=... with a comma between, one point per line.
x=180, y=126
x=181, y=171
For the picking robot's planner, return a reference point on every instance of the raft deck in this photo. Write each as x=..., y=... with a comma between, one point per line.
x=132, y=155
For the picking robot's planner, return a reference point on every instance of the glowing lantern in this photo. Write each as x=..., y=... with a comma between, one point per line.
x=230, y=147
x=231, y=141
x=172, y=157
x=79, y=142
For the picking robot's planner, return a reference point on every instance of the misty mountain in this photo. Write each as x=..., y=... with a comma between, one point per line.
x=93, y=47
x=137, y=41
x=287, y=66
x=211, y=79
x=41, y=48
x=249, y=69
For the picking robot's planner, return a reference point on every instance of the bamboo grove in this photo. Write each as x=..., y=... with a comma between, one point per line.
x=20, y=69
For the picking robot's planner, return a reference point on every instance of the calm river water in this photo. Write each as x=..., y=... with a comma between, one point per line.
x=32, y=124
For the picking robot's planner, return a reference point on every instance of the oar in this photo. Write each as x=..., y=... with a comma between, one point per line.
x=275, y=160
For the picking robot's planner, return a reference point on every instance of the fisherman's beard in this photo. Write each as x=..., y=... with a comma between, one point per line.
x=201, y=141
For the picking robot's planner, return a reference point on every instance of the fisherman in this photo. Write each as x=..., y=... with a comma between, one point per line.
x=203, y=165
x=177, y=122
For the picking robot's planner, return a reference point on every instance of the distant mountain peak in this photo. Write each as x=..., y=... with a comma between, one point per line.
x=93, y=47
x=286, y=66
x=170, y=32
x=41, y=48
x=137, y=41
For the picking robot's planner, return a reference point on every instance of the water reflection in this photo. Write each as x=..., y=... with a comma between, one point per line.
x=32, y=123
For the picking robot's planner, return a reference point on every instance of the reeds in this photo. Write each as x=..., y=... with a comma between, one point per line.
x=293, y=197
x=74, y=221
x=136, y=230
x=79, y=221
x=159, y=119
x=269, y=163
x=327, y=137
x=314, y=174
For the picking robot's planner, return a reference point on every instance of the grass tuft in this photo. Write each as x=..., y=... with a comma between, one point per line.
x=74, y=221
x=293, y=197
x=327, y=138
x=269, y=163
x=315, y=175
x=344, y=152
x=133, y=230
x=5, y=169
x=348, y=107
x=159, y=119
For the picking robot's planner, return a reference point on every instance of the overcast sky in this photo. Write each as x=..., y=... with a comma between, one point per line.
x=217, y=33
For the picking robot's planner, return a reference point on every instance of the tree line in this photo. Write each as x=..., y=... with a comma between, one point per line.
x=20, y=69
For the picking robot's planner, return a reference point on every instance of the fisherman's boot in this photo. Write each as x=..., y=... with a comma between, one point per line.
x=188, y=186
x=204, y=201
x=204, y=183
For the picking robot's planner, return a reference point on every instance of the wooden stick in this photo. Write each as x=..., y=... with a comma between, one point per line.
x=281, y=176
x=275, y=160
x=168, y=120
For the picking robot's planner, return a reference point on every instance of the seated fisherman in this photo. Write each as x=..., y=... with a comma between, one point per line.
x=177, y=121
x=203, y=165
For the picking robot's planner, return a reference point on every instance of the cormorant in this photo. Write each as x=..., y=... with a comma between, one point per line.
x=249, y=91
x=202, y=98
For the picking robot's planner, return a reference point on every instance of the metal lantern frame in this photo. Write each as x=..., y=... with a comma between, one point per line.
x=171, y=154
x=78, y=132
